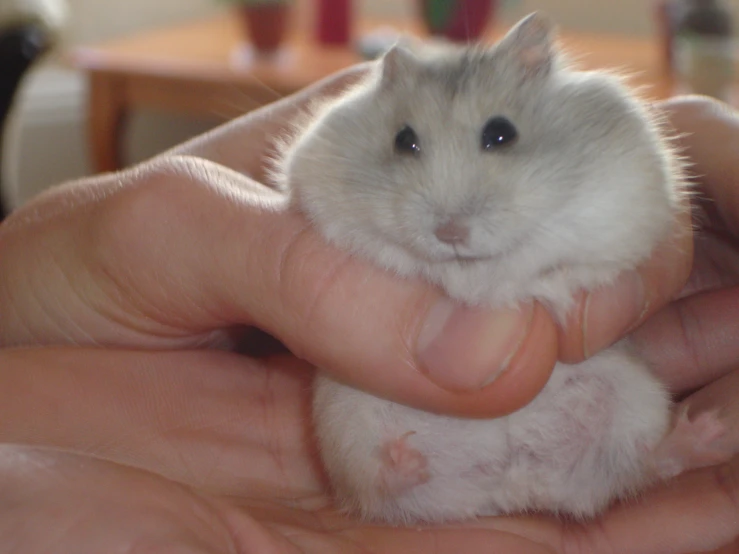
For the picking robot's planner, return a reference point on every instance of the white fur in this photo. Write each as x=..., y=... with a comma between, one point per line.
x=578, y=445
x=587, y=191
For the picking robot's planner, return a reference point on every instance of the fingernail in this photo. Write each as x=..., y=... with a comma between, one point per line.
x=611, y=311
x=466, y=349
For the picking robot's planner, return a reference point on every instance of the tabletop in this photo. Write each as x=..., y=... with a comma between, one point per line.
x=213, y=49
x=205, y=67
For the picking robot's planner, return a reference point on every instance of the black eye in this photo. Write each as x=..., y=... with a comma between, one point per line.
x=406, y=141
x=498, y=131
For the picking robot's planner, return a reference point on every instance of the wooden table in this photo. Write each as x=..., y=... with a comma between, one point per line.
x=202, y=68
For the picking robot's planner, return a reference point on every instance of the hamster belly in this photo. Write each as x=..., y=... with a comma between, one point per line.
x=388, y=462
x=587, y=438
x=582, y=442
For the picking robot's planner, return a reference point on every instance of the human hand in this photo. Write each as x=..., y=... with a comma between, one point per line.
x=124, y=376
x=231, y=435
x=199, y=416
x=178, y=252
x=240, y=443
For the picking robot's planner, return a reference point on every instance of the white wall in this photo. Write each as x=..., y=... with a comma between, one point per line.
x=47, y=141
x=94, y=20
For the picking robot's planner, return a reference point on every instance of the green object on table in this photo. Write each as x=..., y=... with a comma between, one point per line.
x=440, y=12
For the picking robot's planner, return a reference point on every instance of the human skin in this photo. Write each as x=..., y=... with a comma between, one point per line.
x=119, y=297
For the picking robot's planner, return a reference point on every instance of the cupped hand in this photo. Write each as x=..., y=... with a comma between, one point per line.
x=232, y=470
x=67, y=504
x=226, y=448
x=184, y=250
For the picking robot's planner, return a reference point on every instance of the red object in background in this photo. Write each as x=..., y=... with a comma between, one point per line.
x=471, y=19
x=334, y=19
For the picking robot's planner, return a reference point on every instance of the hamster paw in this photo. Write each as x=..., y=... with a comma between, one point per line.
x=403, y=467
x=691, y=445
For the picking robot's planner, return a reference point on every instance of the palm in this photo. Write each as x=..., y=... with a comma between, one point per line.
x=278, y=487
x=236, y=432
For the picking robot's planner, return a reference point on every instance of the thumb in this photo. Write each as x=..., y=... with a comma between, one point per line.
x=183, y=247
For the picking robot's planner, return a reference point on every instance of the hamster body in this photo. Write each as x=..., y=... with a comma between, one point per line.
x=581, y=442
x=500, y=174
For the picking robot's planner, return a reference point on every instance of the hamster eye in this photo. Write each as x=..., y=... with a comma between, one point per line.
x=498, y=131
x=406, y=141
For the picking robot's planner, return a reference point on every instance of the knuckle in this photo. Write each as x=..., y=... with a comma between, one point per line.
x=144, y=232
x=148, y=201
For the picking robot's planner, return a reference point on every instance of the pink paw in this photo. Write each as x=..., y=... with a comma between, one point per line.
x=692, y=445
x=403, y=467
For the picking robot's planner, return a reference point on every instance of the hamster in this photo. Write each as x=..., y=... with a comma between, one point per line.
x=501, y=174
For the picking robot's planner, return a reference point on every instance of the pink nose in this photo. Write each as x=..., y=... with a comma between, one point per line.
x=452, y=232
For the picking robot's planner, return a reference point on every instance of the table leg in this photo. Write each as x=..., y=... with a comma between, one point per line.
x=107, y=113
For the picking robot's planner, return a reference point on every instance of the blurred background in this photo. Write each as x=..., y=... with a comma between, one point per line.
x=45, y=139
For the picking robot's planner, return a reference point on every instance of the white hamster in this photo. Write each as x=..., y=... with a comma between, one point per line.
x=500, y=174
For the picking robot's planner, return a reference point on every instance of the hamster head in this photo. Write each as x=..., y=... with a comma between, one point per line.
x=499, y=173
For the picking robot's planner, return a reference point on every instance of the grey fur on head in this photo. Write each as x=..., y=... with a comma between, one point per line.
x=585, y=192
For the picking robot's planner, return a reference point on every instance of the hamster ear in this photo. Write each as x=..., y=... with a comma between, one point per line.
x=398, y=63
x=530, y=44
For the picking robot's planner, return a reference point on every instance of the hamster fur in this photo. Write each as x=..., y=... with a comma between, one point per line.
x=586, y=190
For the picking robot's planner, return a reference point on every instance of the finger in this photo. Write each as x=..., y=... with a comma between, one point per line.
x=245, y=143
x=186, y=247
x=715, y=264
x=694, y=513
x=314, y=533
x=604, y=315
x=697, y=512
x=445, y=541
x=692, y=341
x=193, y=417
x=709, y=136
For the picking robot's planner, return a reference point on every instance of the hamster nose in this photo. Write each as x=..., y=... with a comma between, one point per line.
x=453, y=232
